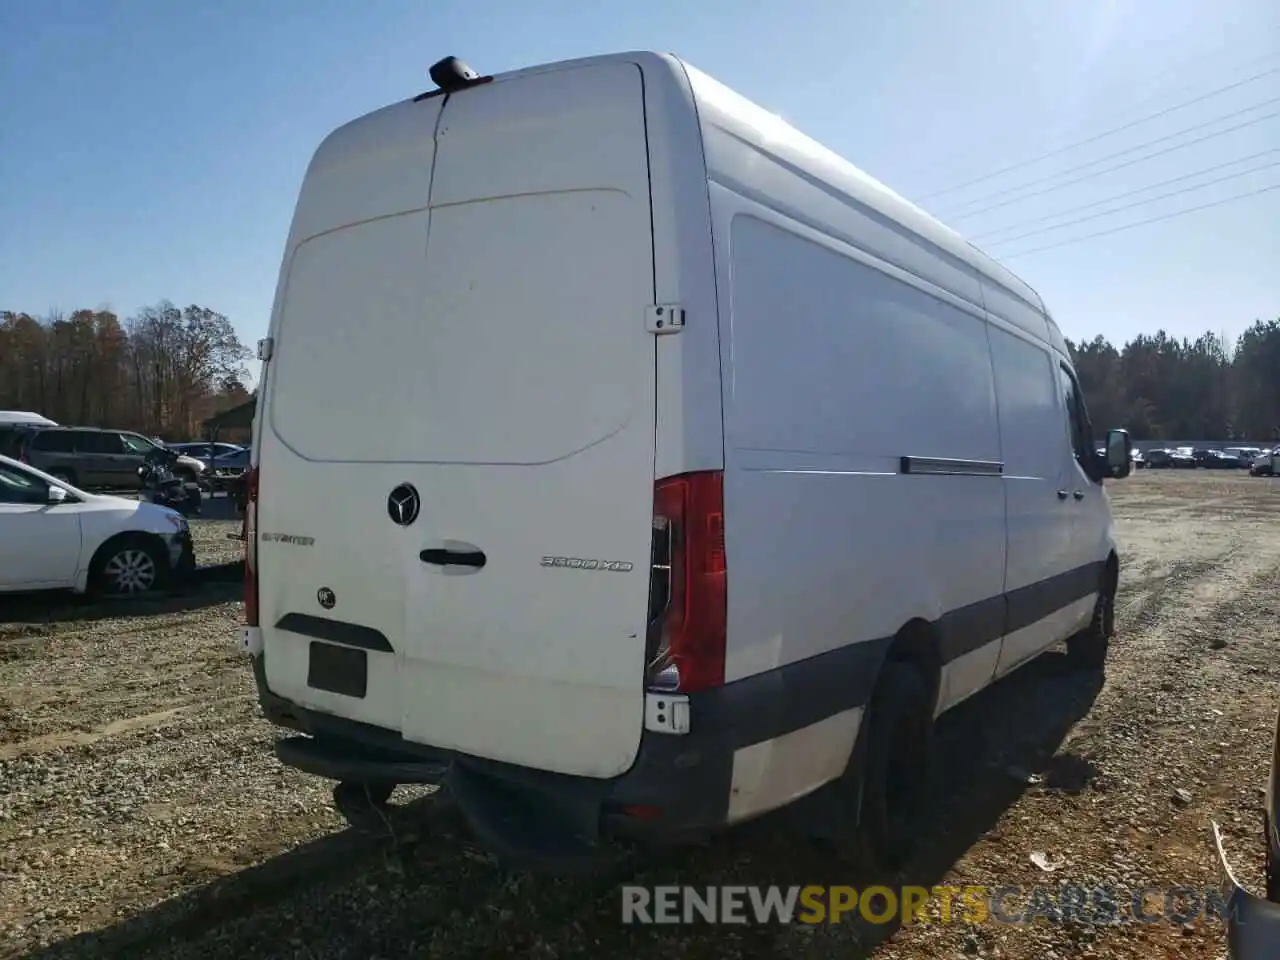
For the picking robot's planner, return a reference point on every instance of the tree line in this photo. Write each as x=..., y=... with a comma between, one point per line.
x=160, y=372
x=1161, y=388
x=164, y=370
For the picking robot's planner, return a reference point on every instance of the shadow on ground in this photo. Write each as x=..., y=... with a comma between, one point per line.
x=212, y=585
x=433, y=895
x=213, y=506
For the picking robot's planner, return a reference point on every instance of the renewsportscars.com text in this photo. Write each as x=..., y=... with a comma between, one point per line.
x=815, y=904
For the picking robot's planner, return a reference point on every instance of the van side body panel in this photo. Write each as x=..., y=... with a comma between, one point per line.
x=1033, y=427
x=690, y=425
x=854, y=333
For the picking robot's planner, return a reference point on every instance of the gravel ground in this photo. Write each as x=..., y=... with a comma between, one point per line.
x=142, y=814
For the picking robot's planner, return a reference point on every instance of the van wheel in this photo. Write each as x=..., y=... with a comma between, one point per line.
x=63, y=476
x=1088, y=649
x=895, y=769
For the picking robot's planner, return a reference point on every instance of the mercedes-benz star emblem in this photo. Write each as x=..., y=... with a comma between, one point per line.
x=403, y=505
x=326, y=598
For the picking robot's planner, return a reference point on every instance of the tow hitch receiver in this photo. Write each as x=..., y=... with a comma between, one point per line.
x=364, y=806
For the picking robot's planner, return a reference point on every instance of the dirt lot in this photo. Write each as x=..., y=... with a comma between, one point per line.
x=142, y=814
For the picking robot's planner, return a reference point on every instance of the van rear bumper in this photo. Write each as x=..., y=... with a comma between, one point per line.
x=677, y=790
x=686, y=778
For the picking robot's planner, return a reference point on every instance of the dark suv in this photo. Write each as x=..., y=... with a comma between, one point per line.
x=93, y=457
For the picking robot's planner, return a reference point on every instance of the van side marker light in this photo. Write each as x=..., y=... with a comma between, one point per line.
x=251, y=641
x=666, y=713
x=664, y=318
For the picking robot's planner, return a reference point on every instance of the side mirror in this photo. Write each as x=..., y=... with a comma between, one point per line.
x=1118, y=459
x=57, y=495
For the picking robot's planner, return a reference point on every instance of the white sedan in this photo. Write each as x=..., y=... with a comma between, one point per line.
x=56, y=536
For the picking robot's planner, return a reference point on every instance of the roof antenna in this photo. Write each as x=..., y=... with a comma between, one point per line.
x=451, y=75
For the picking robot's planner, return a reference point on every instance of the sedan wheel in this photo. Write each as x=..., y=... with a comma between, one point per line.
x=130, y=571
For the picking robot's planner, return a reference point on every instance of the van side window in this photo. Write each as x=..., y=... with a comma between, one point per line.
x=1027, y=391
x=1078, y=420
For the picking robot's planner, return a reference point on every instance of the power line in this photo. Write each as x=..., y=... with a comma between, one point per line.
x=1112, y=169
x=1128, y=111
x=1138, y=203
x=1106, y=133
x=1120, y=196
x=1141, y=223
x=1127, y=150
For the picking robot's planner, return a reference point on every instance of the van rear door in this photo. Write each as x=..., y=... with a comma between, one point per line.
x=461, y=418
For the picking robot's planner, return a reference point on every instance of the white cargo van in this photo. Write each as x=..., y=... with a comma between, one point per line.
x=634, y=466
x=24, y=418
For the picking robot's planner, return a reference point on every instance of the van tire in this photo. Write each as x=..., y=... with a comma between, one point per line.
x=896, y=761
x=64, y=476
x=1088, y=649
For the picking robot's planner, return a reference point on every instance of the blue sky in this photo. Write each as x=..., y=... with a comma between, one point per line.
x=152, y=149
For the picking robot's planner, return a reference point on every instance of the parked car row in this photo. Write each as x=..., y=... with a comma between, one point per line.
x=1136, y=460
x=1254, y=459
x=85, y=456
x=205, y=450
x=59, y=536
x=94, y=457
x=225, y=464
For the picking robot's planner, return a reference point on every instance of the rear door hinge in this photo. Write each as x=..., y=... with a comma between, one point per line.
x=664, y=318
x=265, y=346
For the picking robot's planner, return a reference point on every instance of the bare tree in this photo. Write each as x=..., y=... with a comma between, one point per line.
x=162, y=371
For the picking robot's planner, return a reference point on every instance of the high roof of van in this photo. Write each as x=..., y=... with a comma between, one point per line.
x=822, y=165
x=818, y=165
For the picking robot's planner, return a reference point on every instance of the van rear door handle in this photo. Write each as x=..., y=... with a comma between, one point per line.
x=453, y=558
x=1062, y=494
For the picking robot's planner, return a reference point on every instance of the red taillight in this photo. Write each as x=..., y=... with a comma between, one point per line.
x=251, y=548
x=690, y=593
